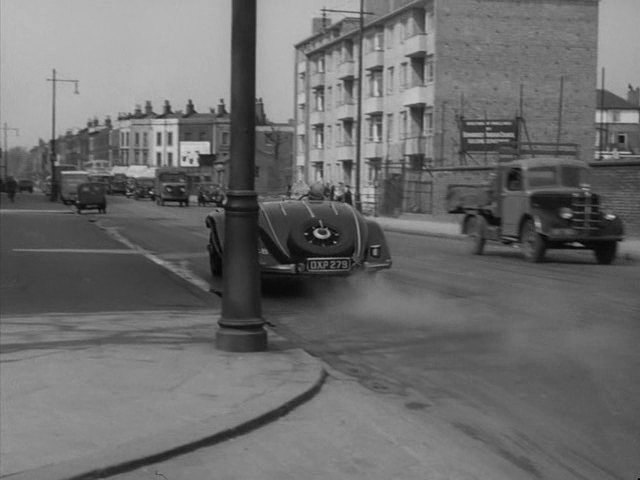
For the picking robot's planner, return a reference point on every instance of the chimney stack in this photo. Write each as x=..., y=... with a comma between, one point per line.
x=148, y=110
x=190, y=108
x=221, y=108
x=167, y=108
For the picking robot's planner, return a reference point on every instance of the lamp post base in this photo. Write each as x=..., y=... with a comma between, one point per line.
x=241, y=339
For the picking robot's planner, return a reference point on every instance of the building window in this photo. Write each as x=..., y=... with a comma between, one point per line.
x=428, y=69
x=329, y=98
x=301, y=145
x=328, y=136
x=320, y=64
x=319, y=136
x=159, y=138
x=319, y=97
x=375, y=128
x=375, y=83
x=403, y=75
x=170, y=138
x=389, y=127
x=621, y=138
x=137, y=139
x=225, y=138
x=378, y=40
x=390, y=75
x=158, y=159
x=428, y=121
x=403, y=124
x=170, y=159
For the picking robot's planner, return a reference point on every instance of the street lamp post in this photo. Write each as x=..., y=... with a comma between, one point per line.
x=241, y=324
x=54, y=182
x=6, y=151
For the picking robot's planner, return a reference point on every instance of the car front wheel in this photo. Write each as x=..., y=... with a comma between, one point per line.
x=605, y=252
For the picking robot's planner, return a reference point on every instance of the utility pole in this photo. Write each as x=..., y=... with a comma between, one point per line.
x=361, y=13
x=54, y=181
x=241, y=323
x=5, y=129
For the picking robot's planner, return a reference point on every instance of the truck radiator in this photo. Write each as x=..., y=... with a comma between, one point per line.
x=586, y=212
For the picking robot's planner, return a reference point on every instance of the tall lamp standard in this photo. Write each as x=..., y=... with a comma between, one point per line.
x=6, y=152
x=54, y=181
x=361, y=13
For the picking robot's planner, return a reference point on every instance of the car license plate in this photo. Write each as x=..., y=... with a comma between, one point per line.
x=328, y=264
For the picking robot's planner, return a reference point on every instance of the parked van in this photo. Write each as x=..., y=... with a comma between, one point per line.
x=69, y=182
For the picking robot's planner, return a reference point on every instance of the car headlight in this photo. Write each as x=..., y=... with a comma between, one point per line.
x=566, y=213
x=609, y=216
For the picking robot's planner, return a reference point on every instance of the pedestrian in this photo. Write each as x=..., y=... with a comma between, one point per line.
x=11, y=187
x=316, y=192
x=348, y=197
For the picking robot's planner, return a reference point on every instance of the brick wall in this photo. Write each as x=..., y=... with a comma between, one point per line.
x=486, y=49
x=619, y=185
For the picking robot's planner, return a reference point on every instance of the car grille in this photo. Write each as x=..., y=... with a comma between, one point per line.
x=586, y=212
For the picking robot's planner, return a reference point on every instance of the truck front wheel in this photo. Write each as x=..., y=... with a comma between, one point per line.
x=605, y=252
x=533, y=244
x=477, y=229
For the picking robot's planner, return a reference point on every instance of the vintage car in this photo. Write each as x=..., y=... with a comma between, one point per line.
x=143, y=188
x=308, y=238
x=91, y=195
x=25, y=185
x=171, y=186
x=210, y=193
x=119, y=183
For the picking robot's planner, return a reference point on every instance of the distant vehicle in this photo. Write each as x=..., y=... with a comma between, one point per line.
x=25, y=185
x=119, y=183
x=171, y=186
x=69, y=181
x=144, y=188
x=96, y=166
x=308, y=238
x=103, y=178
x=539, y=203
x=46, y=186
x=130, y=187
x=91, y=195
x=210, y=193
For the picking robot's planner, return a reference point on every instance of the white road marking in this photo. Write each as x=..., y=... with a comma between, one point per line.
x=14, y=210
x=77, y=250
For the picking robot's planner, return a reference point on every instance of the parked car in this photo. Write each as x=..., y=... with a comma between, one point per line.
x=91, y=195
x=210, y=193
x=25, y=185
x=308, y=238
x=119, y=183
x=144, y=188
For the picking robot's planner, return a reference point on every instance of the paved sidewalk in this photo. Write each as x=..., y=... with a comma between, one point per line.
x=82, y=394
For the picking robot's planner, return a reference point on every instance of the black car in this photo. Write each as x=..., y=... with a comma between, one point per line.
x=308, y=238
x=25, y=185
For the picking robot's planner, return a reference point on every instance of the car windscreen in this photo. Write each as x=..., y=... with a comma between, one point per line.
x=574, y=176
x=542, y=177
x=172, y=178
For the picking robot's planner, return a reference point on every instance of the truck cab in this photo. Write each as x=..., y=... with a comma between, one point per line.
x=543, y=203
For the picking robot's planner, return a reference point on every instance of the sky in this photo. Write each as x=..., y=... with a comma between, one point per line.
x=125, y=52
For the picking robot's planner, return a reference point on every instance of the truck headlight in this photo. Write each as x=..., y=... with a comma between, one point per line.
x=566, y=213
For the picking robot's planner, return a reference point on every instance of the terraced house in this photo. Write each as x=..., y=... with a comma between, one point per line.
x=390, y=109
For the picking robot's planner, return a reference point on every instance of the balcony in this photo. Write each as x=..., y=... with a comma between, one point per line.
x=416, y=145
x=420, y=44
x=317, y=79
x=345, y=152
x=346, y=70
x=316, y=117
x=373, y=150
x=316, y=155
x=373, y=105
x=345, y=111
x=374, y=59
x=418, y=95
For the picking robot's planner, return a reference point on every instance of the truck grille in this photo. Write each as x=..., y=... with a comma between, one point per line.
x=586, y=212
